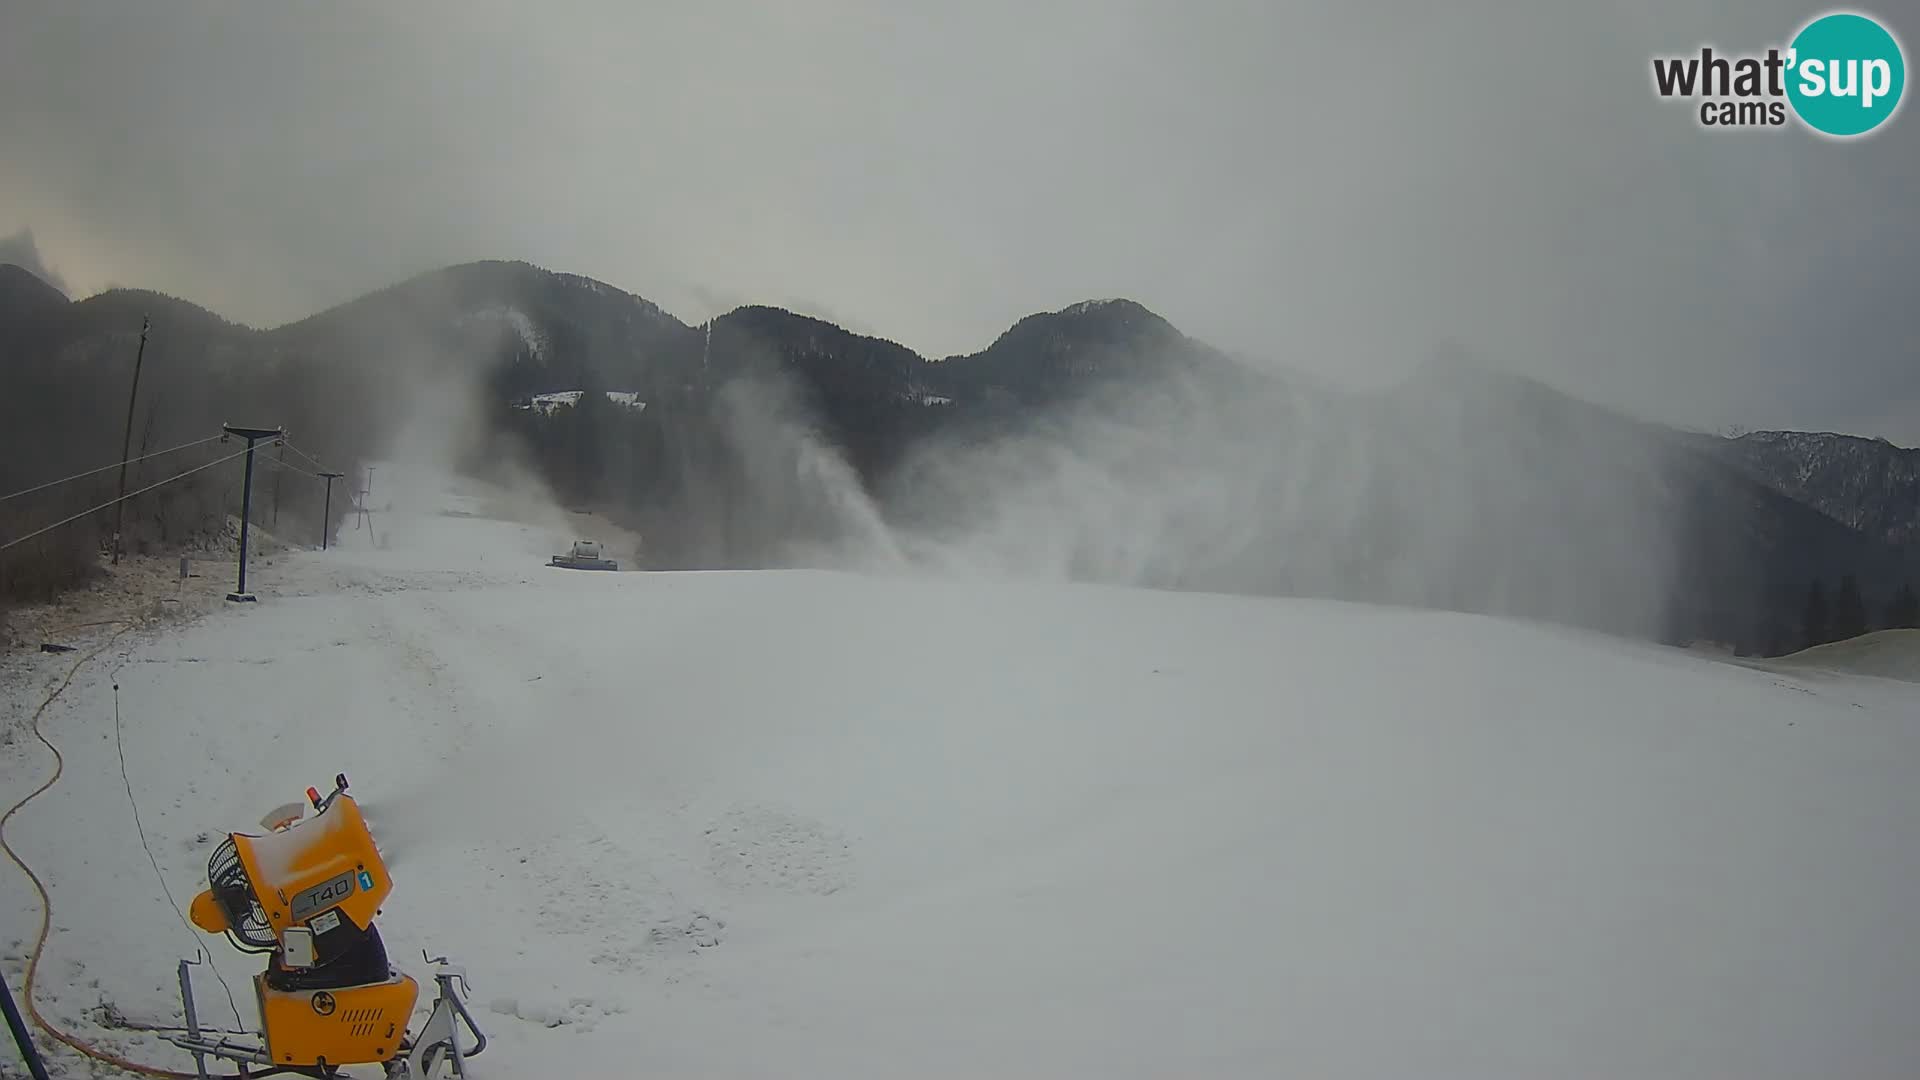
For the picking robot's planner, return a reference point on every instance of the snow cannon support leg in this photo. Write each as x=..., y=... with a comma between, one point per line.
x=440, y=1041
x=193, y=1019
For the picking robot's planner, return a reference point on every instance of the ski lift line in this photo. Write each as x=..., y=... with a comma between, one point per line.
x=304, y=454
x=123, y=498
x=291, y=468
x=314, y=461
x=72, y=1042
x=104, y=468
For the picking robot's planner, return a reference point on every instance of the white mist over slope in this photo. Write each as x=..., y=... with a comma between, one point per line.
x=1453, y=490
x=1457, y=489
x=822, y=824
x=795, y=485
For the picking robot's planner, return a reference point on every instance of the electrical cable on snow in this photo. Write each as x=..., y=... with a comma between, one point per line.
x=46, y=902
x=120, y=746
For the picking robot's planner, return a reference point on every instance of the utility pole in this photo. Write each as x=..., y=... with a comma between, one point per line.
x=326, y=515
x=276, y=483
x=365, y=516
x=126, y=444
x=252, y=435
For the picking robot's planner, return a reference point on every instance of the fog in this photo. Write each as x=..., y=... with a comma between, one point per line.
x=1458, y=488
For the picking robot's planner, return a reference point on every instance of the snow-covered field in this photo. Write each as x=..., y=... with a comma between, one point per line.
x=824, y=825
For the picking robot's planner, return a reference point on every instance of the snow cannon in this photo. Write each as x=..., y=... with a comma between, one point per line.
x=305, y=894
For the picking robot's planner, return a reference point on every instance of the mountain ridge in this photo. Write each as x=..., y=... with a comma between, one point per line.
x=1116, y=311
x=1537, y=479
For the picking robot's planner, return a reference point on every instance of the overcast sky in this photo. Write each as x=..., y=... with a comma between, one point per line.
x=1335, y=187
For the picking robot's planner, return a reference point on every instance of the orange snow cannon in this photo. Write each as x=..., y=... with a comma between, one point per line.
x=305, y=893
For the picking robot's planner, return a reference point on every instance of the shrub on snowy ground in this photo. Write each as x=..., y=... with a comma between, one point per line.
x=41, y=569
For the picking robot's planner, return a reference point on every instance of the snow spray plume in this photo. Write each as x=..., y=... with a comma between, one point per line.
x=499, y=791
x=756, y=479
x=426, y=345
x=793, y=496
x=1459, y=490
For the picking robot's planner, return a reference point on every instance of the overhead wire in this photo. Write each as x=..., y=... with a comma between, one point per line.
x=304, y=454
x=292, y=469
x=123, y=498
x=104, y=468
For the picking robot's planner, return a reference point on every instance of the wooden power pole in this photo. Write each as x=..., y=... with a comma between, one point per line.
x=126, y=444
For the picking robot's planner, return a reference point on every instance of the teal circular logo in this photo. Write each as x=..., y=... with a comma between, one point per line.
x=1846, y=74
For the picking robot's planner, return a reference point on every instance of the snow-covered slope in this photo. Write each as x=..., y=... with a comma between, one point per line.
x=1887, y=654
x=816, y=824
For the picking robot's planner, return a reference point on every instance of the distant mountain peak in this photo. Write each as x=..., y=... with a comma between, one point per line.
x=21, y=251
x=1108, y=322
x=23, y=292
x=1812, y=438
x=1118, y=304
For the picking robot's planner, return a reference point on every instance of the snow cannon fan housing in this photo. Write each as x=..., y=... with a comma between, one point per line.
x=320, y=875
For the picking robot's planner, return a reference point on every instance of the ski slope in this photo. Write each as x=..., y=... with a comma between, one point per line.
x=809, y=824
x=1887, y=654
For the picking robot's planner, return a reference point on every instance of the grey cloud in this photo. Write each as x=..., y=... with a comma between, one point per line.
x=1335, y=189
x=20, y=250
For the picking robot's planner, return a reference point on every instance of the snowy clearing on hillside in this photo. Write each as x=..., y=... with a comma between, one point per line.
x=814, y=824
x=544, y=404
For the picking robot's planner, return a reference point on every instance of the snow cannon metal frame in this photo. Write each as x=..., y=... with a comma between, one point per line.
x=306, y=893
x=584, y=555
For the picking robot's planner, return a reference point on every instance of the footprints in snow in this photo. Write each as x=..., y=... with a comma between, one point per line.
x=702, y=931
x=620, y=900
x=756, y=847
x=595, y=888
x=580, y=1013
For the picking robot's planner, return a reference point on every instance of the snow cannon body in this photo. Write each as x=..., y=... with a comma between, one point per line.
x=306, y=894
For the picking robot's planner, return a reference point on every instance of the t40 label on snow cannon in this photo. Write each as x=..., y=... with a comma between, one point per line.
x=321, y=897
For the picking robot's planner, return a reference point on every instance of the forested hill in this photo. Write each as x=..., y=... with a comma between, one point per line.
x=1097, y=441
